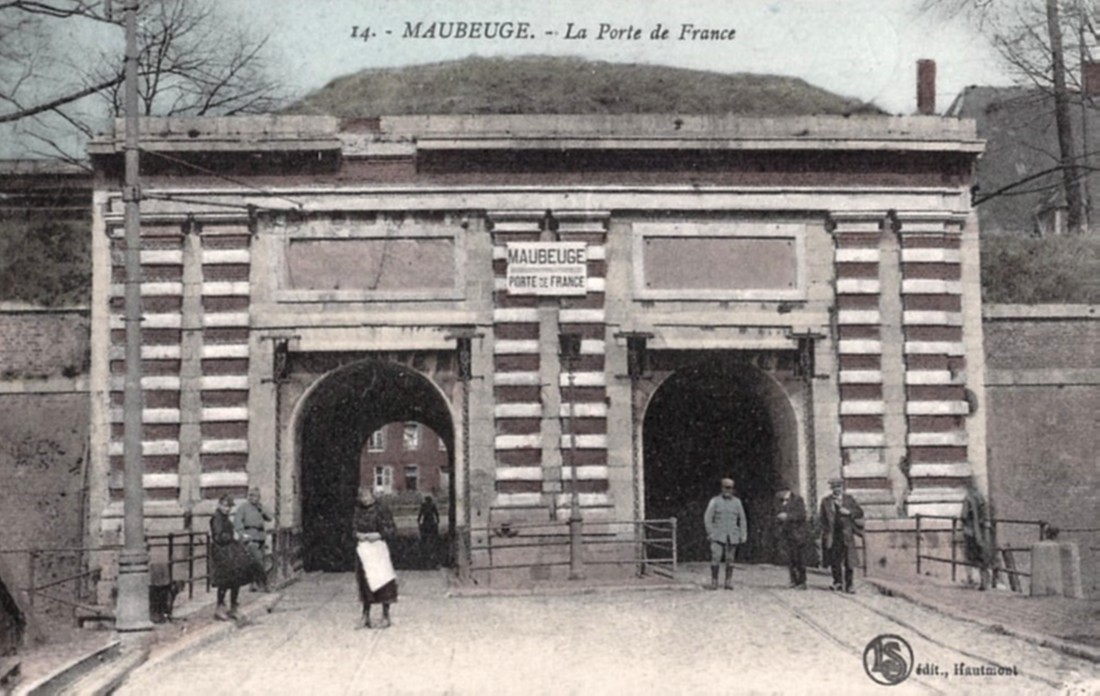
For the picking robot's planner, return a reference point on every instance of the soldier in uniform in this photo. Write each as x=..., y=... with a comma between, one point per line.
x=249, y=519
x=726, y=528
x=793, y=533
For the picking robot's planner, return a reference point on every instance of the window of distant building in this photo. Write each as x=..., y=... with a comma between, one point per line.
x=412, y=478
x=383, y=479
x=377, y=441
x=412, y=436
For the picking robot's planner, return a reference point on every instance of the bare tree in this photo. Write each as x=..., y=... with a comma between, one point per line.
x=193, y=61
x=1045, y=44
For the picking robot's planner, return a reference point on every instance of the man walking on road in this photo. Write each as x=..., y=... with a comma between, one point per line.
x=790, y=513
x=726, y=528
x=841, y=521
x=249, y=520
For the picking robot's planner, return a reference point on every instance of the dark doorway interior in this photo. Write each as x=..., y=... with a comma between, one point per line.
x=710, y=420
x=336, y=421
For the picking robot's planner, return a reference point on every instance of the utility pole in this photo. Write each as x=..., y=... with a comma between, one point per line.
x=132, y=610
x=570, y=348
x=1070, y=186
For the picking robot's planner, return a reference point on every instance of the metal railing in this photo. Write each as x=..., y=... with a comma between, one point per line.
x=67, y=576
x=653, y=545
x=180, y=549
x=1007, y=564
x=69, y=562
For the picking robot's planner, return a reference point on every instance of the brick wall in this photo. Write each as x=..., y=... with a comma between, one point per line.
x=37, y=342
x=42, y=457
x=1043, y=386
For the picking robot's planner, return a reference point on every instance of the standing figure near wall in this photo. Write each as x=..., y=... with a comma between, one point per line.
x=249, y=519
x=374, y=529
x=230, y=563
x=977, y=527
x=427, y=521
x=790, y=513
x=841, y=522
x=726, y=528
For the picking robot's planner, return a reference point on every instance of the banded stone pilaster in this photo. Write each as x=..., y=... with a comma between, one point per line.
x=861, y=322
x=583, y=390
x=517, y=379
x=161, y=294
x=226, y=266
x=935, y=359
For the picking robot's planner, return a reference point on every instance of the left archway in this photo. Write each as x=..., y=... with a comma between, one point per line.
x=333, y=424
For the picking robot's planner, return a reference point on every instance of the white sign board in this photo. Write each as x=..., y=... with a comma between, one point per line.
x=547, y=268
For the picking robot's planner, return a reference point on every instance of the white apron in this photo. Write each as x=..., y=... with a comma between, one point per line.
x=375, y=556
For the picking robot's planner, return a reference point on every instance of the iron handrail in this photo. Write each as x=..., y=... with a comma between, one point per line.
x=1043, y=527
x=556, y=534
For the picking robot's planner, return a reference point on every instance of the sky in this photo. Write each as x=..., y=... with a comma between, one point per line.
x=866, y=49
x=858, y=48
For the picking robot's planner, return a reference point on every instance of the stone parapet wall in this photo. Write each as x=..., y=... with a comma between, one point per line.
x=1043, y=387
x=38, y=342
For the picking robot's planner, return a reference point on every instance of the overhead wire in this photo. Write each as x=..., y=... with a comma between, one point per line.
x=238, y=182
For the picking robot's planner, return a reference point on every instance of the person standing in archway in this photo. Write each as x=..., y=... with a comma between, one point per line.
x=841, y=521
x=726, y=528
x=427, y=520
x=791, y=516
x=374, y=529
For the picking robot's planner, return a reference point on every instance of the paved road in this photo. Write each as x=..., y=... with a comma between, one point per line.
x=759, y=638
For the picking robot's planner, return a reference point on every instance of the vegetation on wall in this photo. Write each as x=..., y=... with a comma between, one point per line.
x=45, y=261
x=567, y=85
x=1029, y=270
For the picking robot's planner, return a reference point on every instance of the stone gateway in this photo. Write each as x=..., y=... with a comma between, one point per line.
x=780, y=300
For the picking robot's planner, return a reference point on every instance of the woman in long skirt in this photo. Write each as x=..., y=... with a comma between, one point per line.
x=230, y=564
x=374, y=529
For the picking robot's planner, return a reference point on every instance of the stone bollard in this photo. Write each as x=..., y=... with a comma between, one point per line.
x=1046, y=569
x=1071, y=570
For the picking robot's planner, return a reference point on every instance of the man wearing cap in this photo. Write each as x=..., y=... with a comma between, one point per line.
x=841, y=521
x=726, y=528
x=248, y=519
x=790, y=513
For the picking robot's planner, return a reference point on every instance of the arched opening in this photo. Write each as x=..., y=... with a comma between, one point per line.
x=711, y=419
x=408, y=465
x=334, y=432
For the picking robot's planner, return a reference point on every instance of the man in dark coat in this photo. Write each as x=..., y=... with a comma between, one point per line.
x=727, y=527
x=841, y=521
x=374, y=530
x=977, y=528
x=790, y=513
x=230, y=564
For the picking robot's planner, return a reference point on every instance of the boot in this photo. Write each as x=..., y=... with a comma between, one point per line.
x=714, y=577
x=234, y=613
x=729, y=577
x=220, y=614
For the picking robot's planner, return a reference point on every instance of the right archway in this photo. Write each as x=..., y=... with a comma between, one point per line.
x=717, y=417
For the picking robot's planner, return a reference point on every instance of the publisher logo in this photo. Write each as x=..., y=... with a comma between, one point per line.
x=888, y=659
